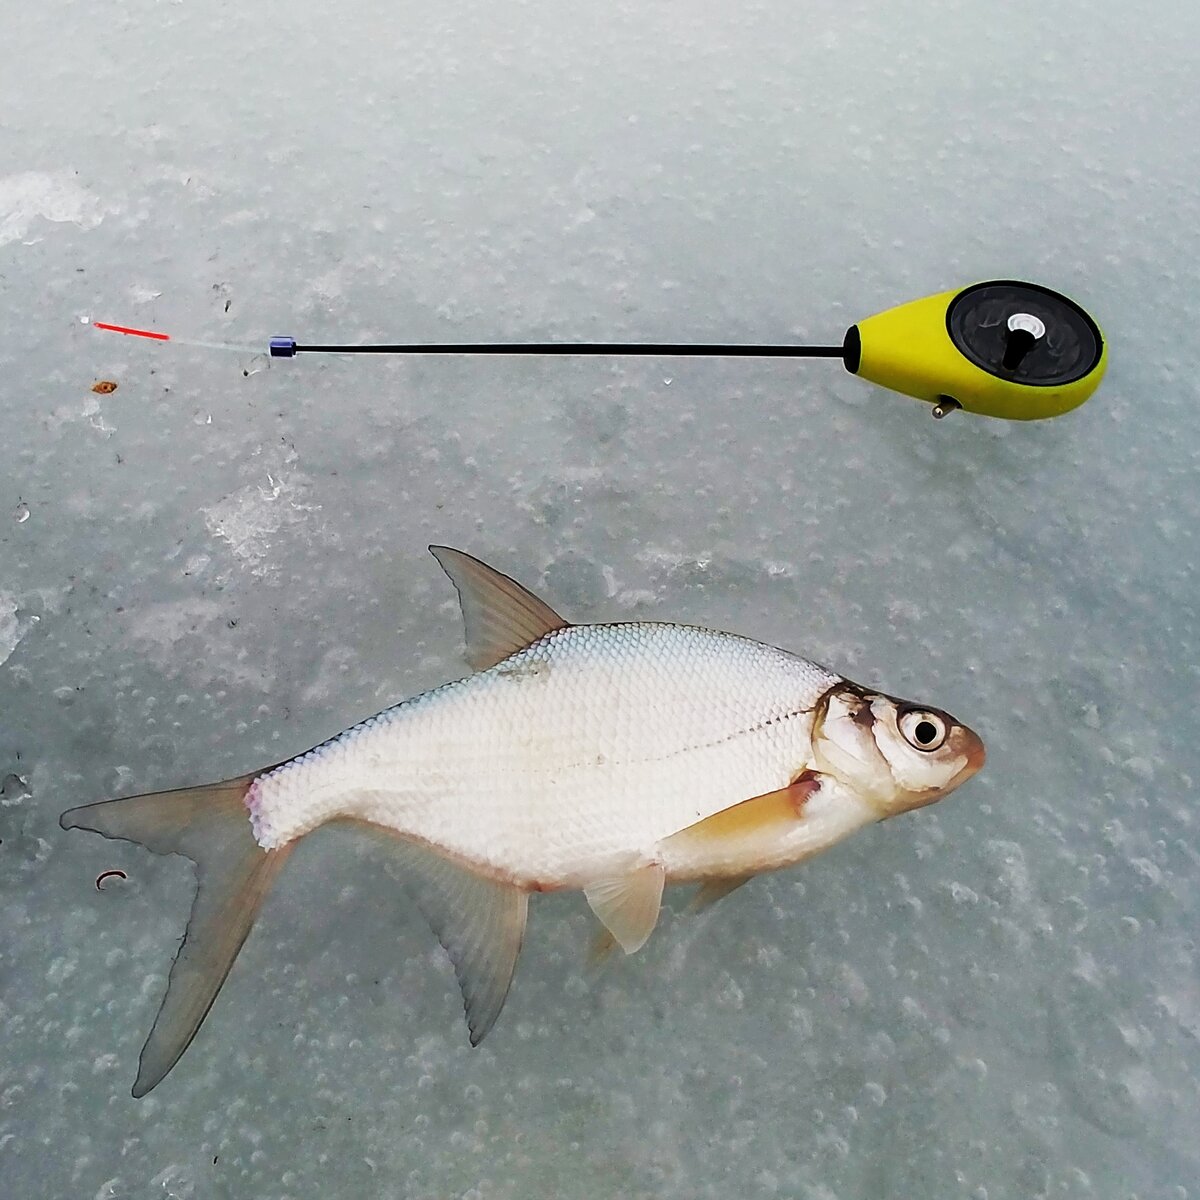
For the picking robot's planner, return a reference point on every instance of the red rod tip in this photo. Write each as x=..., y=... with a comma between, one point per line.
x=146, y=333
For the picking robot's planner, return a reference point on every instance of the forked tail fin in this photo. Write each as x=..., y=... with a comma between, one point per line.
x=210, y=825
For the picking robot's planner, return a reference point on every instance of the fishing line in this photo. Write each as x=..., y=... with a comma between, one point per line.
x=288, y=347
x=155, y=335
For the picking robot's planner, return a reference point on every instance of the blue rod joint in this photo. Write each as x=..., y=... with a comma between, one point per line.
x=283, y=347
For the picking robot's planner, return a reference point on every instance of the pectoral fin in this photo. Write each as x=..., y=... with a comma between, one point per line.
x=500, y=616
x=744, y=835
x=628, y=904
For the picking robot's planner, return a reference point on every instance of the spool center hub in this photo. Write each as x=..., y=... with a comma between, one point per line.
x=1024, y=333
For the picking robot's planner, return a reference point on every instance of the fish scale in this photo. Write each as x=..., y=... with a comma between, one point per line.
x=597, y=740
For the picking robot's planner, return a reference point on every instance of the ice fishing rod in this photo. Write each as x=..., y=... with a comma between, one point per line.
x=1001, y=348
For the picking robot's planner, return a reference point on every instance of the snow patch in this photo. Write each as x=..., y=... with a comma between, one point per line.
x=12, y=628
x=57, y=197
x=249, y=518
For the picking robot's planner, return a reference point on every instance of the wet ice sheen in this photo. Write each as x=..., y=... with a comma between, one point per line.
x=995, y=997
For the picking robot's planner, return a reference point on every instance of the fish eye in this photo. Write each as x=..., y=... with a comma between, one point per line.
x=922, y=729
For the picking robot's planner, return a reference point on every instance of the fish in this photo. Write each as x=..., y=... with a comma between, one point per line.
x=611, y=759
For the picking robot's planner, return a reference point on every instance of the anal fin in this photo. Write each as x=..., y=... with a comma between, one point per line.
x=480, y=923
x=628, y=904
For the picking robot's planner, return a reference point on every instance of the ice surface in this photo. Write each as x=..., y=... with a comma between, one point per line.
x=206, y=571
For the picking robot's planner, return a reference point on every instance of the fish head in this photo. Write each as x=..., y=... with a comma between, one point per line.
x=895, y=754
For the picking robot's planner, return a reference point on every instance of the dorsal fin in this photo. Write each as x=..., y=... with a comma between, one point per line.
x=501, y=617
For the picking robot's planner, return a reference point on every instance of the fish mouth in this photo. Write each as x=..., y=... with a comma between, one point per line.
x=976, y=753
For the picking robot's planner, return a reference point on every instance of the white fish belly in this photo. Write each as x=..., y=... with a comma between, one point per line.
x=589, y=746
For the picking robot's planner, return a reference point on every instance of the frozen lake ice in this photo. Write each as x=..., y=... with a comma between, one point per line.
x=218, y=564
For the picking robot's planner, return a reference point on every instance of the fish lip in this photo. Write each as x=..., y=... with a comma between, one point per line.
x=976, y=751
x=976, y=755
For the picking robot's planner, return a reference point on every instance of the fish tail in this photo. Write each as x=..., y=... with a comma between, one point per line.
x=211, y=826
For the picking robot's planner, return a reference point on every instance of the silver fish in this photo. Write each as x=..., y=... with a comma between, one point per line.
x=612, y=759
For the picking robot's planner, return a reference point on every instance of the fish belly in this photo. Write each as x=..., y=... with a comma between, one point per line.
x=582, y=750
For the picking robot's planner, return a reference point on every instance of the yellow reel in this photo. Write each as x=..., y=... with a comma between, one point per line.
x=1002, y=348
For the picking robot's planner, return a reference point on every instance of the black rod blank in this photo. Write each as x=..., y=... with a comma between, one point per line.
x=285, y=347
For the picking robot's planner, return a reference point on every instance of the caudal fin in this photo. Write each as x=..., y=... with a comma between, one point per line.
x=210, y=825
